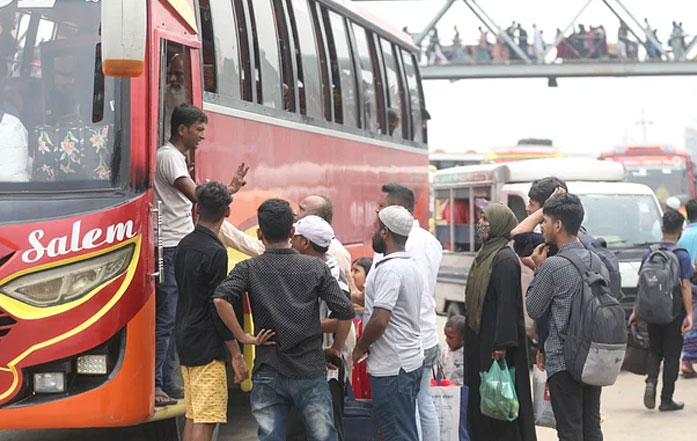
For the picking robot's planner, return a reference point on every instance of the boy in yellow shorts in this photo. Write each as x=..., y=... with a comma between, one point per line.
x=200, y=265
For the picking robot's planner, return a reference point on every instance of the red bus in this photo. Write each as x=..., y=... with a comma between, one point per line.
x=299, y=89
x=669, y=172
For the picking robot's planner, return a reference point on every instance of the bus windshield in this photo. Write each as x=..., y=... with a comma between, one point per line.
x=665, y=181
x=624, y=221
x=59, y=114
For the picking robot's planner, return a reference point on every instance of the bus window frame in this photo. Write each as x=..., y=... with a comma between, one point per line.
x=407, y=118
x=324, y=63
x=288, y=61
x=381, y=96
x=357, y=69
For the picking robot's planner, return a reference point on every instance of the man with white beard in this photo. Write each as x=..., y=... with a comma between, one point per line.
x=175, y=93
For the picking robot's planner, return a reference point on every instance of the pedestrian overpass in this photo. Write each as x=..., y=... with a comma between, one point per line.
x=661, y=59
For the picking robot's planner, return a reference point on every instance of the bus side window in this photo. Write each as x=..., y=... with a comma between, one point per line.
x=368, y=77
x=407, y=121
x=379, y=69
x=208, y=50
x=246, y=59
x=221, y=63
x=308, y=70
x=334, y=64
x=324, y=65
x=414, y=96
x=288, y=85
x=269, y=87
x=346, y=70
x=395, y=113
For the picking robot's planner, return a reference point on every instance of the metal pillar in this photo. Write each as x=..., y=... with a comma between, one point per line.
x=562, y=36
x=480, y=12
x=649, y=35
x=432, y=24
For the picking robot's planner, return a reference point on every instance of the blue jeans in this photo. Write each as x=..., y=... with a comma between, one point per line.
x=427, y=417
x=394, y=404
x=273, y=394
x=166, y=304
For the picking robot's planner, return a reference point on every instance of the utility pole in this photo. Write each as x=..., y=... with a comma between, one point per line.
x=644, y=123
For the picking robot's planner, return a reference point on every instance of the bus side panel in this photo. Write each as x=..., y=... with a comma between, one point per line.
x=292, y=163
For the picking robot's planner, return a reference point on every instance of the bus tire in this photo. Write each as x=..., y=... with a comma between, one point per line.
x=455, y=308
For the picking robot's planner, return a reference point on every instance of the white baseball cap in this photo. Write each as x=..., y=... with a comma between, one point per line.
x=397, y=219
x=316, y=230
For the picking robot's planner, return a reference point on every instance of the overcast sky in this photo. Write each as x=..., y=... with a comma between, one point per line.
x=581, y=115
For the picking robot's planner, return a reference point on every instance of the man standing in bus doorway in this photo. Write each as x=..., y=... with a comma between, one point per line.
x=175, y=189
x=200, y=265
x=427, y=252
x=392, y=315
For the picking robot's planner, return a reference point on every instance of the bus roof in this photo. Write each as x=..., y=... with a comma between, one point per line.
x=597, y=187
x=567, y=169
x=644, y=150
x=522, y=152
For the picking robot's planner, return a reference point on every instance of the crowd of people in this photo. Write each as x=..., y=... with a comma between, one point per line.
x=584, y=43
x=324, y=321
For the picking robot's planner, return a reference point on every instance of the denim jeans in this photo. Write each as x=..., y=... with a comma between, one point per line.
x=394, y=404
x=166, y=310
x=426, y=416
x=273, y=394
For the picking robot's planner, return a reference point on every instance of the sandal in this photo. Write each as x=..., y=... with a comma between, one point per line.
x=689, y=374
x=162, y=399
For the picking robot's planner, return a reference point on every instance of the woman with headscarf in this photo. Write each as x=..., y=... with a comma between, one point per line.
x=495, y=326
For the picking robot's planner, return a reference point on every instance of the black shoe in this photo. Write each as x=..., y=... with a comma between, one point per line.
x=650, y=396
x=671, y=405
x=175, y=391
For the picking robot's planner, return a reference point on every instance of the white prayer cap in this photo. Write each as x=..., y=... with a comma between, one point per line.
x=397, y=219
x=316, y=230
x=673, y=203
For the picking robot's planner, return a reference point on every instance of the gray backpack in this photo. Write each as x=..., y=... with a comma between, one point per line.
x=659, y=279
x=596, y=335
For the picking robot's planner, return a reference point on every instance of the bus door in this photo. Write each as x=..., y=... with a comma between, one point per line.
x=178, y=66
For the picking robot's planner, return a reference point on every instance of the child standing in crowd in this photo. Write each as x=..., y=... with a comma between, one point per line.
x=452, y=355
x=359, y=272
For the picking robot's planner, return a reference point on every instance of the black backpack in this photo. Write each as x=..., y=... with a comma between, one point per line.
x=659, y=283
x=596, y=335
x=609, y=259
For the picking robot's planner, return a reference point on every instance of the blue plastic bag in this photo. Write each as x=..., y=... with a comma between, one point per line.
x=498, y=396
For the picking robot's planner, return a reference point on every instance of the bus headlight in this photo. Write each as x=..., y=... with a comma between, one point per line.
x=69, y=282
x=49, y=382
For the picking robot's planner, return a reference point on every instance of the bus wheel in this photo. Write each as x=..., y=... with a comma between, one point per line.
x=169, y=429
x=455, y=308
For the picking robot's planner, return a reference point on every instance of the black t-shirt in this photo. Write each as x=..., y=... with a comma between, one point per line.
x=200, y=265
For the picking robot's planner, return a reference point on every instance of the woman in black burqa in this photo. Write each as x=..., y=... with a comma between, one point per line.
x=496, y=327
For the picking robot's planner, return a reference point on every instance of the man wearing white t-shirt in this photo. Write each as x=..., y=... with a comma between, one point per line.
x=391, y=334
x=177, y=192
x=14, y=150
x=427, y=252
